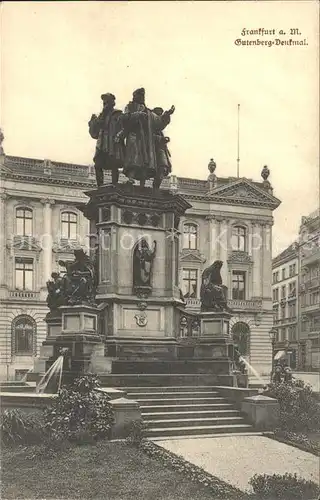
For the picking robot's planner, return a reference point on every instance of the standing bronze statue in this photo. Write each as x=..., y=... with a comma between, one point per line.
x=144, y=144
x=143, y=258
x=162, y=154
x=213, y=294
x=106, y=128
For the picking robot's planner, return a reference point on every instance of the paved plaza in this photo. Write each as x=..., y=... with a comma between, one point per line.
x=235, y=459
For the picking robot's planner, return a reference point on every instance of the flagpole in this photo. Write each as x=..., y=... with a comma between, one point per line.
x=238, y=158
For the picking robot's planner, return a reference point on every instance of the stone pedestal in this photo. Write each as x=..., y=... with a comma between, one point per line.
x=262, y=412
x=125, y=412
x=139, y=321
x=79, y=336
x=54, y=324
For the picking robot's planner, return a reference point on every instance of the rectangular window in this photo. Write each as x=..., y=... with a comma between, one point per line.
x=294, y=269
x=314, y=272
x=292, y=310
x=284, y=273
x=24, y=273
x=238, y=285
x=293, y=333
x=283, y=292
x=24, y=221
x=238, y=240
x=189, y=283
x=190, y=235
x=69, y=226
x=292, y=288
x=282, y=334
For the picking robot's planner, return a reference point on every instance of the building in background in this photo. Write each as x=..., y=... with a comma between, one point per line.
x=296, y=297
x=285, y=284
x=230, y=220
x=309, y=304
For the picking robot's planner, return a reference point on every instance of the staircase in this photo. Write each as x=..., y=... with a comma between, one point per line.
x=186, y=411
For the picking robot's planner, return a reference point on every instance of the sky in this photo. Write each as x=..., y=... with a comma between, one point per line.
x=57, y=58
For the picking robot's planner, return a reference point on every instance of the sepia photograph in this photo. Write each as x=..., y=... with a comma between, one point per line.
x=159, y=250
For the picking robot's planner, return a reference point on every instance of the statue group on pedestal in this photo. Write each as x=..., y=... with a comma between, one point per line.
x=76, y=286
x=132, y=140
x=213, y=294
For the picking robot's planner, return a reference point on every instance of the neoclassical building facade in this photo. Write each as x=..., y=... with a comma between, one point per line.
x=41, y=223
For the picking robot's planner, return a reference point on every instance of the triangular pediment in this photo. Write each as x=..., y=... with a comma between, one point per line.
x=244, y=192
x=25, y=243
x=192, y=256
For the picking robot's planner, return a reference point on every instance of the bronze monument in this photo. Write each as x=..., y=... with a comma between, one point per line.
x=213, y=294
x=106, y=128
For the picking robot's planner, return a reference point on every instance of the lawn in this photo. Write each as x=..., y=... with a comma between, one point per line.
x=108, y=470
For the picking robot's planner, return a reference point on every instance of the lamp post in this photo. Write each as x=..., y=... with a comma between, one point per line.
x=272, y=336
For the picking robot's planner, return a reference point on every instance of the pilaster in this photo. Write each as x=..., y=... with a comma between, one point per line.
x=223, y=243
x=3, y=236
x=257, y=256
x=46, y=237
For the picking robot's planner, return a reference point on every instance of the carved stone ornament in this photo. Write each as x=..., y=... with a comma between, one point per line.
x=65, y=246
x=105, y=214
x=142, y=305
x=141, y=218
x=25, y=243
x=141, y=319
x=238, y=257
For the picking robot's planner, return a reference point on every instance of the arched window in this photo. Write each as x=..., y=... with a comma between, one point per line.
x=69, y=224
x=241, y=337
x=24, y=218
x=239, y=236
x=24, y=330
x=190, y=236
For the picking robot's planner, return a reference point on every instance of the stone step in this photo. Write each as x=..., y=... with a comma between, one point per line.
x=167, y=415
x=186, y=407
x=180, y=400
x=16, y=388
x=197, y=430
x=170, y=394
x=205, y=436
x=191, y=422
x=171, y=388
x=163, y=380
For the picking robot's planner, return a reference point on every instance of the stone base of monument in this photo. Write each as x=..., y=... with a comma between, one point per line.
x=126, y=348
x=78, y=334
x=54, y=323
x=202, y=349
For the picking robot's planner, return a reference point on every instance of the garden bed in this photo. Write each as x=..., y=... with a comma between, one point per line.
x=110, y=470
x=305, y=442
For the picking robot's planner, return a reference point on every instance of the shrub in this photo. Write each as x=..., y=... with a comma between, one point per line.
x=21, y=428
x=298, y=408
x=79, y=413
x=283, y=487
